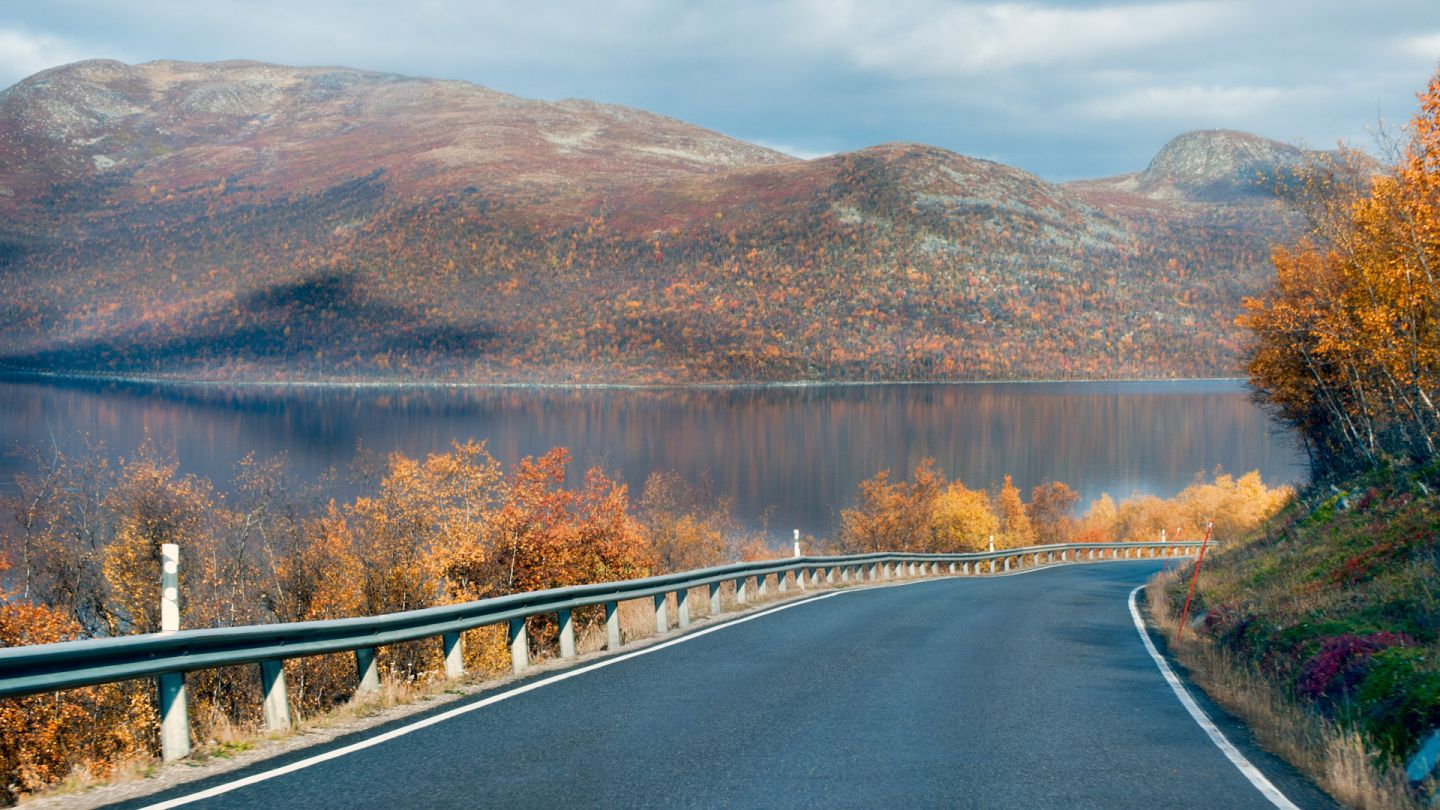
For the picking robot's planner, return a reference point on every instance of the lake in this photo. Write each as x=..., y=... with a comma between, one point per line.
x=798, y=451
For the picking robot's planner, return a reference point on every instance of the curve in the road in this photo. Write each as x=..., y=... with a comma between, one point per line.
x=1027, y=691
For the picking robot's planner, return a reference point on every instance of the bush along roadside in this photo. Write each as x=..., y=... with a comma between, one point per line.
x=1331, y=608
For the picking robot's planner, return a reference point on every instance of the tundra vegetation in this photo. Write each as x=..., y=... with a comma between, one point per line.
x=1324, y=625
x=80, y=558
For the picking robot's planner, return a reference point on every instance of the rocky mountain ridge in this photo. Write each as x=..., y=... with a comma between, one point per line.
x=284, y=130
x=1213, y=166
x=329, y=223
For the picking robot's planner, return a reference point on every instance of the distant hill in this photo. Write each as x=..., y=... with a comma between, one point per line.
x=1217, y=166
x=240, y=220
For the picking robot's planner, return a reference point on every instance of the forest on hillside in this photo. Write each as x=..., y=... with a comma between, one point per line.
x=869, y=280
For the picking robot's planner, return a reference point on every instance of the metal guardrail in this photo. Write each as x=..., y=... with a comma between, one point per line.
x=50, y=667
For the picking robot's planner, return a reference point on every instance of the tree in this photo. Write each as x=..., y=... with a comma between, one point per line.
x=1347, y=340
x=153, y=505
x=963, y=520
x=1098, y=525
x=893, y=517
x=685, y=525
x=1015, y=528
x=1049, y=511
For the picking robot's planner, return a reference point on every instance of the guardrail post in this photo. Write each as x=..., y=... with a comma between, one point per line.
x=174, y=714
x=829, y=575
x=844, y=573
x=715, y=599
x=682, y=607
x=740, y=584
x=519, y=646
x=567, y=632
x=174, y=720
x=662, y=619
x=453, y=645
x=1007, y=563
x=761, y=586
x=780, y=582
x=612, y=625
x=992, y=565
x=367, y=674
x=277, y=700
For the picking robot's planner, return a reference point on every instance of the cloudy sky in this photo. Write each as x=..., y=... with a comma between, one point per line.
x=1063, y=89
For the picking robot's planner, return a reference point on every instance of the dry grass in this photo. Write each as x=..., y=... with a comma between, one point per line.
x=1336, y=758
x=85, y=776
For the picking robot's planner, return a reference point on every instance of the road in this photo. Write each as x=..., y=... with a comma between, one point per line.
x=1026, y=691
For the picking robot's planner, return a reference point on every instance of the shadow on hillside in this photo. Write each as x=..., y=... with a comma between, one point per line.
x=322, y=323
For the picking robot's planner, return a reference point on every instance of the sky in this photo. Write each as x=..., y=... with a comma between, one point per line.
x=1063, y=89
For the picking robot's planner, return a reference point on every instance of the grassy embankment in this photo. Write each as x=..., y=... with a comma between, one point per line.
x=1322, y=630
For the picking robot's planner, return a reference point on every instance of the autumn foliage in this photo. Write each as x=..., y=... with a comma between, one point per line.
x=81, y=560
x=927, y=513
x=865, y=266
x=450, y=527
x=1347, y=340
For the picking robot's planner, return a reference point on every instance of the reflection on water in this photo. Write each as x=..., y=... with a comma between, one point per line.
x=801, y=451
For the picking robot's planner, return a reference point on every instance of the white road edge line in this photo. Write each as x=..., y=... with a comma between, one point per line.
x=1246, y=767
x=469, y=707
x=370, y=742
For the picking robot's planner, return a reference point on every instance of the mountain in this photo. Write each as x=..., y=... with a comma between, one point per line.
x=240, y=220
x=1213, y=166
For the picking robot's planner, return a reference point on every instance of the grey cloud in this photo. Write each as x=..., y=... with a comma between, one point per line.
x=1064, y=89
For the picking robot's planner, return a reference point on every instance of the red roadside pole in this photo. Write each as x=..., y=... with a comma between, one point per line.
x=1185, y=613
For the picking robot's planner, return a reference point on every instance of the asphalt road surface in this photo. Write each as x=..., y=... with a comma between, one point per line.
x=1028, y=691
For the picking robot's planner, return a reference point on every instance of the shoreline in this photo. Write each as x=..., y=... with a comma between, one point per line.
x=10, y=374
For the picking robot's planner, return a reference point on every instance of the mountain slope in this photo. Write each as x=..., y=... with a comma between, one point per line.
x=1211, y=166
x=247, y=221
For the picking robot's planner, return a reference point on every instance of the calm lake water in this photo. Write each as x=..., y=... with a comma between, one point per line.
x=798, y=451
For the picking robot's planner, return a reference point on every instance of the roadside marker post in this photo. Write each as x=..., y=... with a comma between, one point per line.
x=1185, y=612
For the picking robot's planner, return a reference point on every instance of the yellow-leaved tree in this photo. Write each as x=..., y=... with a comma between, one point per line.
x=1015, y=527
x=963, y=520
x=1347, y=341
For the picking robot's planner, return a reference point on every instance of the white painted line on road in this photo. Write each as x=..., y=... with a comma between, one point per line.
x=1247, y=768
x=301, y=764
x=466, y=709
